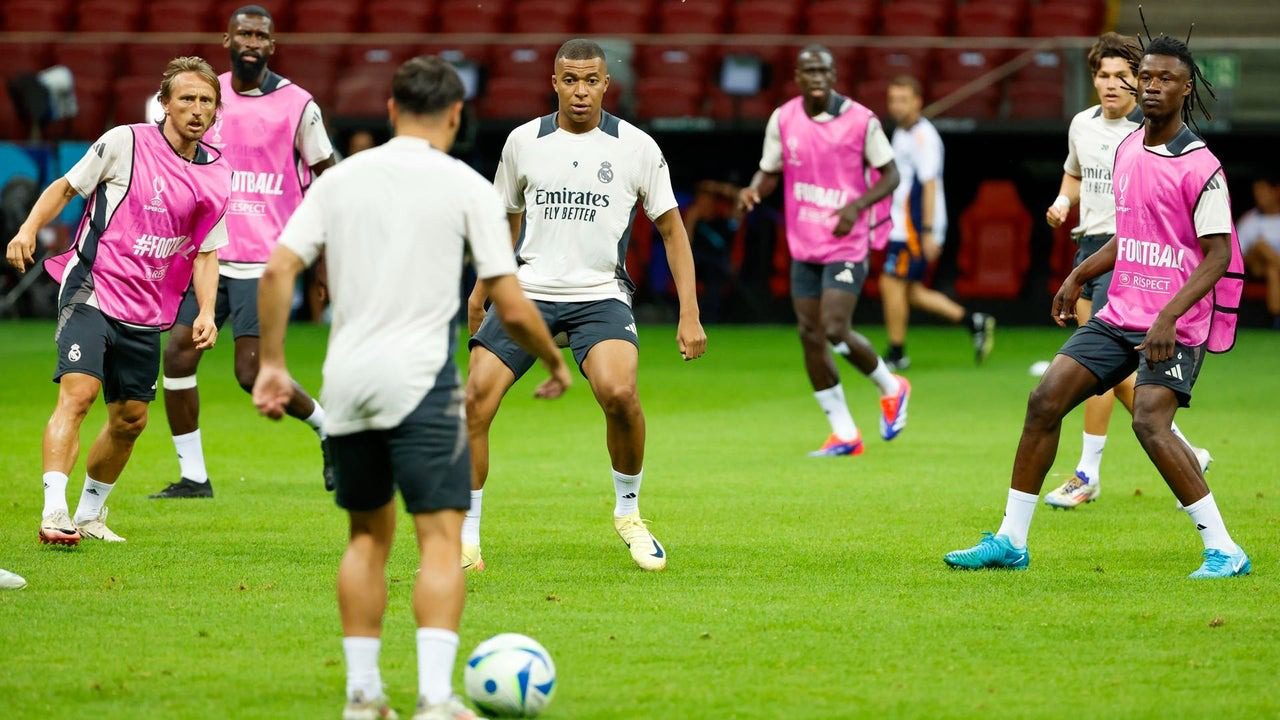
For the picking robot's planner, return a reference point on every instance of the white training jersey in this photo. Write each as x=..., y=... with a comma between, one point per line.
x=1091, y=153
x=393, y=222
x=919, y=154
x=578, y=193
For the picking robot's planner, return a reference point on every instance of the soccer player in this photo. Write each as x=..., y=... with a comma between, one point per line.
x=838, y=172
x=151, y=229
x=273, y=135
x=919, y=230
x=1177, y=281
x=571, y=180
x=1092, y=140
x=1260, y=238
x=390, y=385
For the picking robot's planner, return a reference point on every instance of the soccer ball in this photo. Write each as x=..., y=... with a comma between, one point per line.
x=510, y=675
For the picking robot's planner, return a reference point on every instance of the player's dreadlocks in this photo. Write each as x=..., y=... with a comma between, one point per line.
x=1173, y=47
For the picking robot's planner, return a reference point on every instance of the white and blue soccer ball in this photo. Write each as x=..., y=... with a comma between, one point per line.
x=510, y=675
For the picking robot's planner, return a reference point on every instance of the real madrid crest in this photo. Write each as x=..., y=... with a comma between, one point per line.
x=605, y=174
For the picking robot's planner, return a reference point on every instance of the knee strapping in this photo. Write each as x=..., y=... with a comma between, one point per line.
x=179, y=383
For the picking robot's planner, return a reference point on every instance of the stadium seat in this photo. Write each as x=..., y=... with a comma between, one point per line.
x=1046, y=66
x=362, y=95
x=765, y=17
x=525, y=61
x=399, y=16
x=468, y=16
x=1035, y=99
x=750, y=107
x=691, y=18
x=1062, y=254
x=882, y=63
x=181, y=16
x=967, y=63
x=108, y=16
x=290, y=60
x=325, y=16
x=995, y=243
x=913, y=17
x=606, y=18
x=1062, y=19
x=675, y=61
x=279, y=10
x=11, y=127
x=515, y=98
x=320, y=86
x=982, y=105
x=990, y=18
x=875, y=95
x=546, y=16
x=130, y=96
x=91, y=118
x=375, y=58
x=842, y=17
x=36, y=16
x=669, y=97
x=479, y=54
x=148, y=59
x=24, y=58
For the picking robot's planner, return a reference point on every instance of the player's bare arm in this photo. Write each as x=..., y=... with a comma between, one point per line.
x=1161, y=338
x=22, y=248
x=204, y=279
x=1068, y=197
x=274, y=386
x=762, y=186
x=479, y=295
x=690, y=336
x=880, y=190
x=1064, y=302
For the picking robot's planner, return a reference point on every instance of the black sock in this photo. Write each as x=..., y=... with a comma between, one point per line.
x=897, y=352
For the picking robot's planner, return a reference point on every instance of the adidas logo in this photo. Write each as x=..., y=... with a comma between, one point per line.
x=629, y=496
x=845, y=276
x=1174, y=372
x=92, y=491
x=632, y=329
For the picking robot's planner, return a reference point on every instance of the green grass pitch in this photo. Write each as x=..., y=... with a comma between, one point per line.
x=798, y=588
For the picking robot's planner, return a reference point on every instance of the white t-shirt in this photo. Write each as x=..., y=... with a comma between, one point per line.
x=877, y=151
x=393, y=222
x=919, y=155
x=1091, y=154
x=578, y=193
x=109, y=165
x=1254, y=227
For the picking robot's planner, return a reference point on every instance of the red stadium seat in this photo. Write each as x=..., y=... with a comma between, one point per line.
x=842, y=17
x=290, y=60
x=24, y=58
x=279, y=9
x=91, y=119
x=142, y=59
x=765, y=17
x=325, y=16
x=89, y=63
x=515, y=98
x=990, y=18
x=220, y=57
x=1062, y=255
x=108, y=16
x=967, y=63
x=691, y=17
x=399, y=16
x=675, y=61
x=1035, y=99
x=36, y=16
x=11, y=127
x=669, y=97
x=618, y=18
x=129, y=98
x=546, y=16
x=469, y=16
x=913, y=17
x=1046, y=66
x=995, y=243
x=320, y=85
x=982, y=105
x=887, y=63
x=375, y=58
x=478, y=54
x=1061, y=19
x=181, y=16
x=875, y=95
x=751, y=107
x=526, y=61
x=362, y=95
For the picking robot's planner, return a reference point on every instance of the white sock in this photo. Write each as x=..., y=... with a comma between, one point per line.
x=1204, y=513
x=316, y=420
x=363, y=676
x=1018, y=510
x=437, y=650
x=833, y=404
x=92, y=498
x=55, y=492
x=191, y=456
x=626, y=489
x=884, y=378
x=1178, y=434
x=471, y=523
x=1091, y=456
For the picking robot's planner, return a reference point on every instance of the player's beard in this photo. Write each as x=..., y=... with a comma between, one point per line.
x=247, y=72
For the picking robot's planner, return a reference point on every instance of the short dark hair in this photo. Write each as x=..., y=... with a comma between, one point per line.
x=907, y=81
x=256, y=10
x=581, y=49
x=816, y=49
x=426, y=85
x=1112, y=44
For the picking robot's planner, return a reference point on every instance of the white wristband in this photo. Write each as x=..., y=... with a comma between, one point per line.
x=1062, y=201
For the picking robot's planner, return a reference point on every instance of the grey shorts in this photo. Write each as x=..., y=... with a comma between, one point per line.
x=1107, y=351
x=586, y=324
x=125, y=360
x=426, y=457
x=1096, y=289
x=809, y=280
x=237, y=299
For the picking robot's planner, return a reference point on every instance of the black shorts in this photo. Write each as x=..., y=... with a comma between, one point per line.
x=1096, y=289
x=426, y=457
x=125, y=359
x=905, y=261
x=810, y=280
x=586, y=324
x=237, y=299
x=1108, y=352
